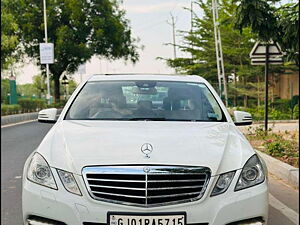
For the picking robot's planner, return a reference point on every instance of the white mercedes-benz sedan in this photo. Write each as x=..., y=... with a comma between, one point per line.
x=144, y=150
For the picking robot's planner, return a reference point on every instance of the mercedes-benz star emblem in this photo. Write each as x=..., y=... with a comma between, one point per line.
x=146, y=169
x=147, y=149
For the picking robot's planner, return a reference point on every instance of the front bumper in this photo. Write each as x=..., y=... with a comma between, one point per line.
x=67, y=208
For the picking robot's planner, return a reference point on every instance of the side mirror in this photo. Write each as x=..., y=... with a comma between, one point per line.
x=47, y=115
x=242, y=118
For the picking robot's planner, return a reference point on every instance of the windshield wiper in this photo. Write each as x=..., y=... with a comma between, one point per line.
x=148, y=118
x=165, y=119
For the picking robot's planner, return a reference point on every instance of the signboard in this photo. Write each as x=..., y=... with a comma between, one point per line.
x=266, y=54
x=65, y=80
x=262, y=61
x=259, y=50
x=47, y=53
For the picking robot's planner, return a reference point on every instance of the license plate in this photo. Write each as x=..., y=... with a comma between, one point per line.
x=146, y=219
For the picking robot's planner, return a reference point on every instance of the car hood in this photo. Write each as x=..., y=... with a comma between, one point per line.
x=72, y=145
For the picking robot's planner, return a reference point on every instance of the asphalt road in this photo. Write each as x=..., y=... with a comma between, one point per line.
x=17, y=142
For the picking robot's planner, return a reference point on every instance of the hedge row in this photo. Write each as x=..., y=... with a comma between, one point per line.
x=258, y=113
x=26, y=105
x=10, y=109
x=31, y=105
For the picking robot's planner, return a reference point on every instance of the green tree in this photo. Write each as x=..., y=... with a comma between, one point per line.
x=288, y=22
x=27, y=90
x=9, y=37
x=4, y=90
x=40, y=85
x=268, y=22
x=79, y=29
x=236, y=47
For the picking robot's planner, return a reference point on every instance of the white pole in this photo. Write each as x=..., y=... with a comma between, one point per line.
x=67, y=88
x=216, y=44
x=47, y=65
x=219, y=52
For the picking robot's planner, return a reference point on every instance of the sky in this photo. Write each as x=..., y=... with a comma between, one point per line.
x=148, y=20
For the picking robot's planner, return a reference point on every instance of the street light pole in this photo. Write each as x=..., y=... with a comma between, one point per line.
x=47, y=65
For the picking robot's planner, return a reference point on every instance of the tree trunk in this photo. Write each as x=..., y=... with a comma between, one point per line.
x=56, y=89
x=235, y=91
x=245, y=101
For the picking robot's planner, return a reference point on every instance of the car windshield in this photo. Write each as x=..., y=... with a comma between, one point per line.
x=145, y=100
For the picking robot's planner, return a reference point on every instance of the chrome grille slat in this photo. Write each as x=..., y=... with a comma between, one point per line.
x=106, y=193
x=115, y=187
x=172, y=195
x=133, y=181
x=172, y=181
x=171, y=188
x=146, y=186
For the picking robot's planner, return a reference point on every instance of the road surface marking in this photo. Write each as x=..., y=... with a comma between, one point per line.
x=19, y=123
x=289, y=213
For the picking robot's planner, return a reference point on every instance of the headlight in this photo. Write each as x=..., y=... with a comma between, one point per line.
x=223, y=183
x=252, y=174
x=39, y=172
x=69, y=182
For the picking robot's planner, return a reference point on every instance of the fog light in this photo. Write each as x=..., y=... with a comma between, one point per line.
x=37, y=220
x=251, y=223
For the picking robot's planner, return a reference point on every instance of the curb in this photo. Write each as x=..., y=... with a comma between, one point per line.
x=10, y=119
x=281, y=170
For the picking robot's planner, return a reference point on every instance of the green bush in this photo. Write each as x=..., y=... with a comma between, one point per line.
x=257, y=113
x=26, y=105
x=31, y=105
x=277, y=146
x=61, y=104
x=10, y=109
x=280, y=113
x=296, y=112
x=281, y=104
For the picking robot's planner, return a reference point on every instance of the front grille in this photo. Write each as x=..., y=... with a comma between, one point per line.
x=146, y=186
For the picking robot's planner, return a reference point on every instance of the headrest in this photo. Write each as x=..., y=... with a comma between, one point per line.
x=180, y=93
x=169, y=104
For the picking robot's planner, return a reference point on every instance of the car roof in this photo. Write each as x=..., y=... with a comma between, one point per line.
x=143, y=76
